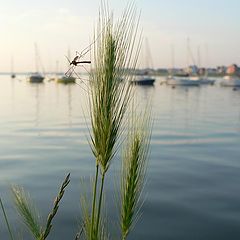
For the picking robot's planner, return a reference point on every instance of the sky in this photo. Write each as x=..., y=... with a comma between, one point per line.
x=209, y=28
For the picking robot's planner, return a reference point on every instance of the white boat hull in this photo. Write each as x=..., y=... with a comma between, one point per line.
x=230, y=81
x=180, y=81
x=207, y=81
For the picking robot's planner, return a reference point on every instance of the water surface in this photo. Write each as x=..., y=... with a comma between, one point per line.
x=192, y=190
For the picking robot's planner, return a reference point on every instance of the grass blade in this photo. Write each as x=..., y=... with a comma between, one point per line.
x=55, y=207
x=6, y=220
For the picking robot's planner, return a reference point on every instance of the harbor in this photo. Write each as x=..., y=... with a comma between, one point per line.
x=119, y=120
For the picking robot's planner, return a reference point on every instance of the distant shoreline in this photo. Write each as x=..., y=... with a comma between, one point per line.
x=162, y=74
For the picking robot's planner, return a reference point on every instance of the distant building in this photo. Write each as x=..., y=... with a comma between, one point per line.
x=221, y=69
x=176, y=71
x=147, y=71
x=142, y=71
x=201, y=71
x=161, y=71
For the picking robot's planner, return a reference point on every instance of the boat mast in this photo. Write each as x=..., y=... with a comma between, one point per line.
x=206, y=59
x=36, y=57
x=198, y=57
x=190, y=54
x=172, y=58
x=148, y=55
x=12, y=68
x=12, y=72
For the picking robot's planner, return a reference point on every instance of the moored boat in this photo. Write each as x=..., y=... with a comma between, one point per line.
x=205, y=80
x=182, y=81
x=36, y=78
x=143, y=80
x=230, y=81
x=13, y=75
x=65, y=79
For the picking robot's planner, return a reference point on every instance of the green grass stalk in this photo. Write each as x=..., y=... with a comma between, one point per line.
x=94, y=200
x=109, y=97
x=29, y=213
x=6, y=220
x=55, y=207
x=100, y=202
x=133, y=173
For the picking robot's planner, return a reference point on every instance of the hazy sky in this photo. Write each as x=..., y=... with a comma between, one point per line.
x=56, y=25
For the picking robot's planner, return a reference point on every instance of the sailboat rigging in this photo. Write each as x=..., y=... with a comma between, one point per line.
x=36, y=77
x=13, y=75
x=145, y=78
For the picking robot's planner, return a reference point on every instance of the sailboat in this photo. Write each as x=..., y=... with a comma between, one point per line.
x=205, y=80
x=203, y=72
x=36, y=77
x=182, y=78
x=13, y=75
x=144, y=78
x=232, y=79
x=55, y=75
x=66, y=79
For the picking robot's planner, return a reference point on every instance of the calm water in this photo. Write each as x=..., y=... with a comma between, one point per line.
x=193, y=188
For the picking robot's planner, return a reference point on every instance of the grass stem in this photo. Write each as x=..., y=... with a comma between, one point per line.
x=100, y=201
x=94, y=200
x=6, y=220
x=55, y=207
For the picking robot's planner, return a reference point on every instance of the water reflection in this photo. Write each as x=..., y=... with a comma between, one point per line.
x=69, y=93
x=37, y=105
x=13, y=93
